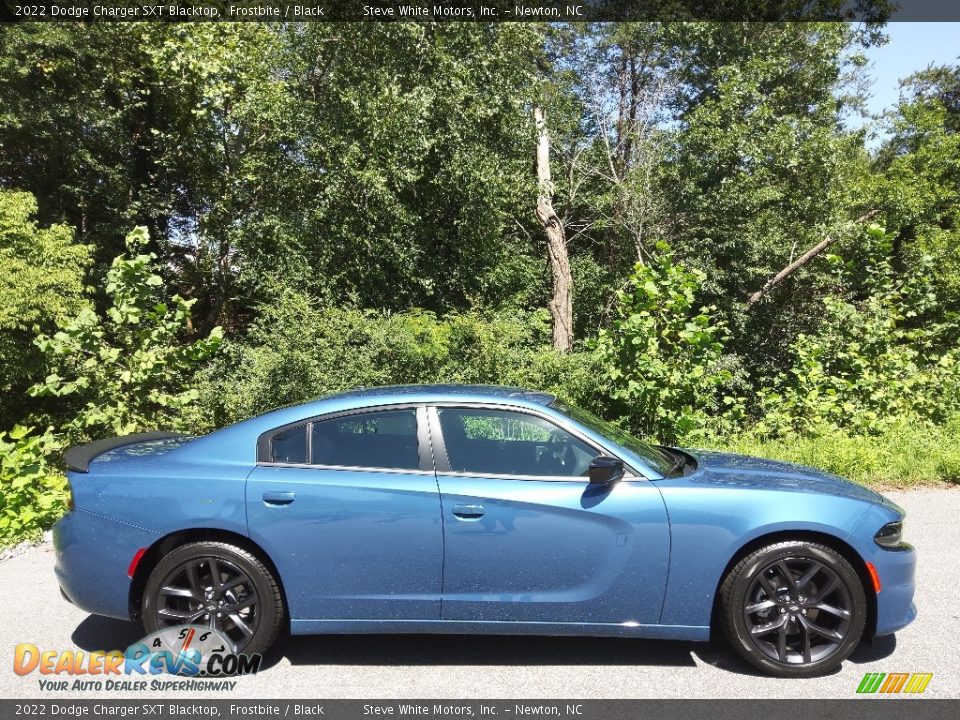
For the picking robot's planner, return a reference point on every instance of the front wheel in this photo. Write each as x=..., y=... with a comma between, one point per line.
x=215, y=585
x=793, y=609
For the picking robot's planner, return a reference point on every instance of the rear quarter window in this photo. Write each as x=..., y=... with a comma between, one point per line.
x=289, y=446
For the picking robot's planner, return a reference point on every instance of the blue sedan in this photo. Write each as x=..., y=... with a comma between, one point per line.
x=469, y=509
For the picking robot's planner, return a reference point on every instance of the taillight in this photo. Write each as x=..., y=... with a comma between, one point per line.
x=137, y=557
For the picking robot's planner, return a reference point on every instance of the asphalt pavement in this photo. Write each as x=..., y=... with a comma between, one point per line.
x=476, y=667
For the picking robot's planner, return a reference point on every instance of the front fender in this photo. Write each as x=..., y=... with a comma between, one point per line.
x=710, y=525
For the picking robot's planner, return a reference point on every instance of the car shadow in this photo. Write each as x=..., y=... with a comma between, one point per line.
x=100, y=633
x=878, y=649
x=430, y=650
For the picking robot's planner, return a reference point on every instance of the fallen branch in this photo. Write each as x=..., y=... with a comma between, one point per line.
x=800, y=262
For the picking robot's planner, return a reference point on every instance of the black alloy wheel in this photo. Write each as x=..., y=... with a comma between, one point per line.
x=216, y=585
x=210, y=592
x=794, y=609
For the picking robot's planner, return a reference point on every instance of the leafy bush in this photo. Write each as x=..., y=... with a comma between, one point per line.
x=876, y=361
x=299, y=349
x=662, y=357
x=660, y=367
x=33, y=494
x=127, y=371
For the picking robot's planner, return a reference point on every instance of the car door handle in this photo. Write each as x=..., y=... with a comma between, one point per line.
x=468, y=512
x=275, y=497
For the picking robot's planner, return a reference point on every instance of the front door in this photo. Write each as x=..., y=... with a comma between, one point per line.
x=528, y=538
x=348, y=509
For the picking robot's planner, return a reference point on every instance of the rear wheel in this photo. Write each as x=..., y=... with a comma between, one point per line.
x=216, y=585
x=793, y=609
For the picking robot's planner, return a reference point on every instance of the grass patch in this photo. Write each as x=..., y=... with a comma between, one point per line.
x=903, y=456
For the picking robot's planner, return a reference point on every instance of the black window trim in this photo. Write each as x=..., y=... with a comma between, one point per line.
x=424, y=451
x=442, y=462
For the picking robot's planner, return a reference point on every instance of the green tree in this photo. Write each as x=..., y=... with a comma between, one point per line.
x=41, y=287
x=76, y=110
x=416, y=145
x=382, y=165
x=225, y=159
x=917, y=178
x=174, y=127
x=761, y=168
x=128, y=371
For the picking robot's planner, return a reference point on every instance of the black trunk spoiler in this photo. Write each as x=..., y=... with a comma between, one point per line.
x=78, y=458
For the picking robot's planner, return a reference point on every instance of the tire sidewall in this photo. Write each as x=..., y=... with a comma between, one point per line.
x=267, y=606
x=735, y=602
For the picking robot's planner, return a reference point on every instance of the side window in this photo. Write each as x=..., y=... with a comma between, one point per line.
x=502, y=442
x=289, y=446
x=385, y=439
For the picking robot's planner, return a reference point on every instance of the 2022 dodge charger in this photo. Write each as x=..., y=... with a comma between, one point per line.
x=469, y=509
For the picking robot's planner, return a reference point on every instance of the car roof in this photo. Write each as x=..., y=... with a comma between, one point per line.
x=223, y=445
x=371, y=397
x=237, y=443
x=442, y=393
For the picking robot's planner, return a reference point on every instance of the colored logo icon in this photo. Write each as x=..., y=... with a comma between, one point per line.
x=894, y=683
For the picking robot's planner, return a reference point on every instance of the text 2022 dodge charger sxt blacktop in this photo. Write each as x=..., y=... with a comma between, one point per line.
x=472, y=509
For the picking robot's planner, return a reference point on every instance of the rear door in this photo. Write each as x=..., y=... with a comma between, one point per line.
x=348, y=508
x=528, y=538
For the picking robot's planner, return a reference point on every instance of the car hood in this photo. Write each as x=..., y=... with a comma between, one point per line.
x=742, y=471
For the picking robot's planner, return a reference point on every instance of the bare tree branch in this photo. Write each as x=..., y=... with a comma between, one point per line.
x=800, y=262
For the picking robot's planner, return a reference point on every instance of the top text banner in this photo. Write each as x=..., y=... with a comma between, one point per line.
x=487, y=11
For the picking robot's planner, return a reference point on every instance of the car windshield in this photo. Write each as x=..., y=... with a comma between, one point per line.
x=658, y=459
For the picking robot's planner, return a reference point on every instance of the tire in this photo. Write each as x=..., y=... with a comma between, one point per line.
x=799, y=626
x=246, y=587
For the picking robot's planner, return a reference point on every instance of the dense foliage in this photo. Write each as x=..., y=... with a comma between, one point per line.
x=298, y=349
x=877, y=360
x=41, y=286
x=33, y=493
x=128, y=370
x=354, y=205
x=662, y=357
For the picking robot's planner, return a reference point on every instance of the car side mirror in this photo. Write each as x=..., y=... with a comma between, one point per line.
x=605, y=470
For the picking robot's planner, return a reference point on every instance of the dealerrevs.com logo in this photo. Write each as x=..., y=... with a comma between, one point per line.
x=195, y=654
x=894, y=683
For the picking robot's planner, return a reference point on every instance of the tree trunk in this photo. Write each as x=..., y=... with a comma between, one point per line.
x=561, y=304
